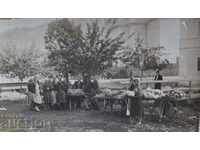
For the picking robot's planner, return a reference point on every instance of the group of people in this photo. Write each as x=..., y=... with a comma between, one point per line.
x=53, y=93
x=90, y=89
x=54, y=90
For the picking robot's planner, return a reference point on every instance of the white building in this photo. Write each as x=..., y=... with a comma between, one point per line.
x=190, y=49
x=180, y=38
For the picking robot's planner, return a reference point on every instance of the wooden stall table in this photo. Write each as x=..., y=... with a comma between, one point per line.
x=75, y=96
x=110, y=99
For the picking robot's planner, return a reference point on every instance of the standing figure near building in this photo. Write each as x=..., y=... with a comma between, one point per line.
x=158, y=77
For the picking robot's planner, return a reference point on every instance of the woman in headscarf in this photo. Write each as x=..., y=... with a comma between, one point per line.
x=34, y=96
x=38, y=99
x=135, y=104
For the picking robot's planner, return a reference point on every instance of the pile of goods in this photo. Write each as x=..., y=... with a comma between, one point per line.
x=108, y=93
x=75, y=92
x=3, y=109
x=148, y=93
x=176, y=93
x=156, y=94
x=130, y=93
x=152, y=93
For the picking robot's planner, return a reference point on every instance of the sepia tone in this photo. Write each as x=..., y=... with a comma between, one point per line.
x=99, y=75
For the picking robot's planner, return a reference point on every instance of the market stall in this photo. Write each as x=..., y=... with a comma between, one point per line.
x=75, y=97
x=163, y=99
x=111, y=97
x=170, y=88
x=172, y=92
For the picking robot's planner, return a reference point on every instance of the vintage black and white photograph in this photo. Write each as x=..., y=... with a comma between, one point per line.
x=99, y=74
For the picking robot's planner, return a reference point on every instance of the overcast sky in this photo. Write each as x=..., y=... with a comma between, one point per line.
x=6, y=25
x=32, y=30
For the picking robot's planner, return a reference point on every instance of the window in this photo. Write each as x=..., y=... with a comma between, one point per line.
x=198, y=64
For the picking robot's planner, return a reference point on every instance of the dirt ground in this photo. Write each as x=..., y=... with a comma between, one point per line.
x=89, y=121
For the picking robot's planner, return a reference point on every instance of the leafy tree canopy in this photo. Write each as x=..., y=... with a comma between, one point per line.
x=87, y=48
x=143, y=58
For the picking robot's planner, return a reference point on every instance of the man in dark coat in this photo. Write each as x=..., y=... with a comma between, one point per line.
x=47, y=93
x=158, y=77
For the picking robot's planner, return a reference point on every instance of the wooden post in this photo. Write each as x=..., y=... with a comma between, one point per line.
x=190, y=92
x=139, y=84
x=70, y=104
x=104, y=104
x=111, y=105
x=128, y=107
x=197, y=128
x=141, y=76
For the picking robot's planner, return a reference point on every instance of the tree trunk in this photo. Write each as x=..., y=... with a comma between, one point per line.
x=67, y=77
x=141, y=73
x=21, y=80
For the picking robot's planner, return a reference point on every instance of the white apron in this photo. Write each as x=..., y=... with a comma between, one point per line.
x=37, y=96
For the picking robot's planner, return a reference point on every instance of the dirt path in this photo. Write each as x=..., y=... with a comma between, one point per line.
x=88, y=121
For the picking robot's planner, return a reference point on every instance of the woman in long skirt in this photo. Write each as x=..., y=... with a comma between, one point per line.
x=60, y=95
x=34, y=96
x=47, y=93
x=136, y=110
x=37, y=92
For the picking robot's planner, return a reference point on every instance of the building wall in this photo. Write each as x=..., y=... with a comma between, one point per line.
x=169, y=38
x=166, y=33
x=153, y=33
x=180, y=38
x=189, y=48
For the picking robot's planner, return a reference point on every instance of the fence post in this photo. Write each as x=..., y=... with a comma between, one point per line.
x=190, y=92
x=197, y=123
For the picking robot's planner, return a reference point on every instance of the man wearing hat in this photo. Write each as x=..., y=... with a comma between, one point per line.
x=158, y=77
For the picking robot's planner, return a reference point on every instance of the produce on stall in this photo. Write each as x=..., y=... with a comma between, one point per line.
x=152, y=93
x=156, y=94
x=75, y=96
x=75, y=92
